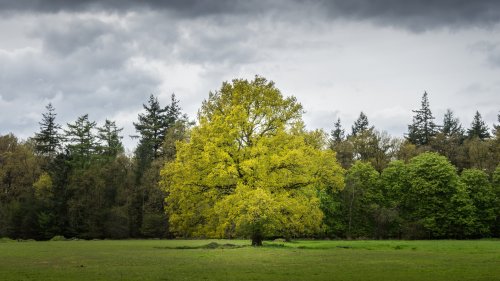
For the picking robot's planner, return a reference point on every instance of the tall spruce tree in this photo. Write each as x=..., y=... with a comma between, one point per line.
x=152, y=128
x=109, y=136
x=451, y=125
x=423, y=128
x=361, y=124
x=48, y=140
x=342, y=147
x=449, y=140
x=81, y=141
x=478, y=128
x=338, y=133
x=496, y=127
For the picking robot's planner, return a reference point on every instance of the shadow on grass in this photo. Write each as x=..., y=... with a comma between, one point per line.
x=274, y=245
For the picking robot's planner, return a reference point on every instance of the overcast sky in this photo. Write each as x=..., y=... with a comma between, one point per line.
x=338, y=58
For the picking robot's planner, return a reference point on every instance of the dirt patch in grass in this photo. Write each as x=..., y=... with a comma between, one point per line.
x=211, y=245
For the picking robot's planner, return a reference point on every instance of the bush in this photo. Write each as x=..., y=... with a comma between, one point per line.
x=58, y=238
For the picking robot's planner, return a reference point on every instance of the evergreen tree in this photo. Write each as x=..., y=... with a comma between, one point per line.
x=108, y=134
x=48, y=140
x=496, y=127
x=478, y=128
x=338, y=133
x=81, y=140
x=361, y=124
x=451, y=125
x=342, y=147
x=449, y=140
x=423, y=128
x=153, y=126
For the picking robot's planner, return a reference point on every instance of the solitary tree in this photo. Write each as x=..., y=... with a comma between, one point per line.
x=247, y=170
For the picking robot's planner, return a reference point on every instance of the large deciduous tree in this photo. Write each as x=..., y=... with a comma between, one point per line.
x=249, y=168
x=361, y=197
x=483, y=197
x=435, y=202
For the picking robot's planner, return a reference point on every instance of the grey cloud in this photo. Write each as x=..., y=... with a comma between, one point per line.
x=490, y=50
x=413, y=15
x=181, y=7
x=418, y=15
x=83, y=62
x=67, y=37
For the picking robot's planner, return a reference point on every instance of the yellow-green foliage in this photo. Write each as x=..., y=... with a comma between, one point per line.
x=249, y=168
x=43, y=185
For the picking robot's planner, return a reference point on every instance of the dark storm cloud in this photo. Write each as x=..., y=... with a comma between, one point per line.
x=414, y=15
x=183, y=7
x=418, y=15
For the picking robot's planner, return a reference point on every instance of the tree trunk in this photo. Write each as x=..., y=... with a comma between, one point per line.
x=256, y=240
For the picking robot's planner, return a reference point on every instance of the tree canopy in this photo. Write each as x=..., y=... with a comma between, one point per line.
x=248, y=169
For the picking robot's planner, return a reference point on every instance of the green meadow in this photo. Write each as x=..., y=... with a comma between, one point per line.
x=235, y=260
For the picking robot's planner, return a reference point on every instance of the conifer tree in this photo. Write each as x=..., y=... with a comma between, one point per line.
x=48, y=140
x=496, y=127
x=81, y=140
x=451, y=125
x=110, y=139
x=338, y=133
x=423, y=127
x=361, y=124
x=478, y=128
x=153, y=126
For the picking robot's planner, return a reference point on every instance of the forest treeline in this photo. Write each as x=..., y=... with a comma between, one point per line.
x=440, y=180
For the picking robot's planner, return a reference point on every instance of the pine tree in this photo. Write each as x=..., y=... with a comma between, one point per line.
x=151, y=127
x=496, y=127
x=48, y=140
x=110, y=139
x=361, y=124
x=81, y=140
x=451, y=125
x=478, y=128
x=338, y=133
x=421, y=131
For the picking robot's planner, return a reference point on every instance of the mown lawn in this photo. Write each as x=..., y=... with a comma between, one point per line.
x=300, y=260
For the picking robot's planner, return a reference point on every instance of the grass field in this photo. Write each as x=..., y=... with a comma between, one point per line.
x=301, y=260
